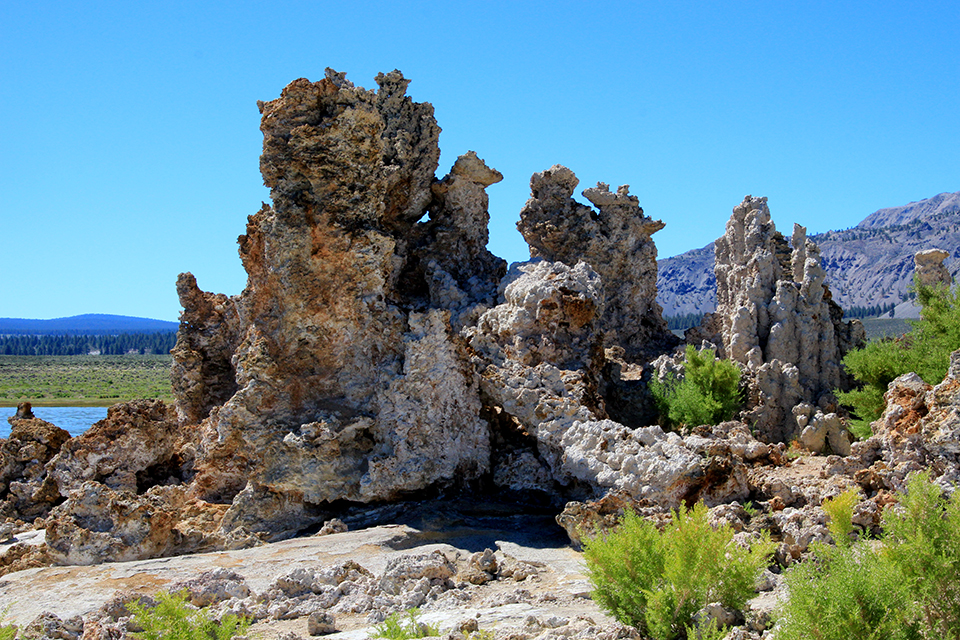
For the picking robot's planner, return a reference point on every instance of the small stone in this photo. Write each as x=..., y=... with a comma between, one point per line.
x=321, y=623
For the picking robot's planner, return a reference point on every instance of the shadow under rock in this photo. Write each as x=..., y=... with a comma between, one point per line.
x=472, y=525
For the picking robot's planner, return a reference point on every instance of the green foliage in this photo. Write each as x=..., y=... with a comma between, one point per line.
x=925, y=351
x=657, y=581
x=394, y=629
x=923, y=537
x=173, y=619
x=74, y=345
x=707, y=394
x=845, y=593
x=840, y=510
x=7, y=631
x=905, y=587
x=83, y=381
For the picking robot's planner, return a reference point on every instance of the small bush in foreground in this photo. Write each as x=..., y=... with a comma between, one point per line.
x=173, y=619
x=7, y=631
x=707, y=394
x=906, y=586
x=393, y=629
x=657, y=581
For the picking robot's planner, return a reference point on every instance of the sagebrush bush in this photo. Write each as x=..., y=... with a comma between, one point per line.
x=925, y=350
x=174, y=619
x=393, y=627
x=657, y=581
x=922, y=536
x=840, y=511
x=708, y=393
x=7, y=631
x=905, y=586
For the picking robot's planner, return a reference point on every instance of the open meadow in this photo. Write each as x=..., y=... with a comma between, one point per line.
x=83, y=381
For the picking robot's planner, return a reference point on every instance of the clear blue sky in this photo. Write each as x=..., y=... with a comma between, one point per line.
x=130, y=134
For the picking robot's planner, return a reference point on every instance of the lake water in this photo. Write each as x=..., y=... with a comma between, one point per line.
x=76, y=420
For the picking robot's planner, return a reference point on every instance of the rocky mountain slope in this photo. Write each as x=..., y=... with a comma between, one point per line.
x=869, y=264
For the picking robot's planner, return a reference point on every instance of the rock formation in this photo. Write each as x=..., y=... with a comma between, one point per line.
x=929, y=269
x=614, y=240
x=337, y=373
x=775, y=317
x=26, y=487
x=379, y=351
x=870, y=265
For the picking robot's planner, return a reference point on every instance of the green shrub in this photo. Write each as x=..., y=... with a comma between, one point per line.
x=845, y=593
x=925, y=351
x=393, y=629
x=708, y=393
x=173, y=619
x=840, y=511
x=657, y=581
x=7, y=631
x=923, y=538
x=904, y=587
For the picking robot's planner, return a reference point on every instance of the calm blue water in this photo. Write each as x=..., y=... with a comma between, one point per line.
x=76, y=420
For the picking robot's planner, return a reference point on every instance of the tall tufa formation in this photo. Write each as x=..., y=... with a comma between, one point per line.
x=776, y=318
x=337, y=373
x=615, y=240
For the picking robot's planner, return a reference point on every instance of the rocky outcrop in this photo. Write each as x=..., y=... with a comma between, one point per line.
x=203, y=375
x=338, y=373
x=137, y=446
x=929, y=269
x=776, y=317
x=26, y=488
x=379, y=350
x=615, y=240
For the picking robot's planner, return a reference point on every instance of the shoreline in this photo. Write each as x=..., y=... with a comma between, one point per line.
x=73, y=402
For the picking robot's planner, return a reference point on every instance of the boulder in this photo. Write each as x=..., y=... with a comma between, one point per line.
x=26, y=488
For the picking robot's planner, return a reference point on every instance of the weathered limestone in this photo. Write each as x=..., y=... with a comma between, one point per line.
x=929, y=268
x=27, y=490
x=203, y=375
x=137, y=446
x=379, y=351
x=776, y=317
x=614, y=240
x=337, y=373
x=539, y=354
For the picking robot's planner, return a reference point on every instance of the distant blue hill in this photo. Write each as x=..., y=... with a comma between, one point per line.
x=90, y=324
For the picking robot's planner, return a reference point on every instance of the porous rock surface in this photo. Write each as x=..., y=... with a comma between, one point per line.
x=614, y=239
x=26, y=487
x=929, y=269
x=775, y=317
x=348, y=381
x=379, y=350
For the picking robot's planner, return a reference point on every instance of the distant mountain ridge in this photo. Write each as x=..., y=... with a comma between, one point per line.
x=869, y=264
x=87, y=324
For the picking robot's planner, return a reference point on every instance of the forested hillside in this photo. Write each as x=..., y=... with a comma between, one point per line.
x=73, y=345
x=88, y=324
